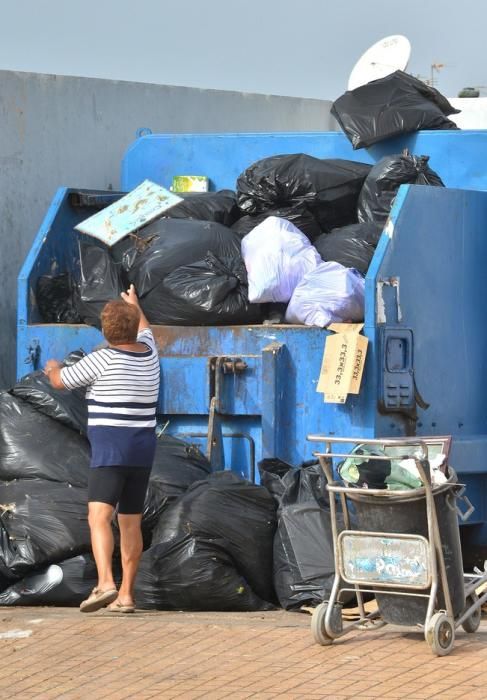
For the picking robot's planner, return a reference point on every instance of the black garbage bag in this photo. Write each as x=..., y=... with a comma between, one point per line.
x=212, y=548
x=328, y=188
x=33, y=445
x=177, y=465
x=193, y=573
x=298, y=215
x=220, y=207
x=166, y=244
x=56, y=299
x=304, y=564
x=42, y=522
x=100, y=281
x=68, y=407
x=65, y=584
x=390, y=106
x=213, y=291
x=349, y=245
x=202, y=254
x=385, y=178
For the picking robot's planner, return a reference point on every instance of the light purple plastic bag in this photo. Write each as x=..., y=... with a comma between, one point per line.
x=277, y=256
x=328, y=294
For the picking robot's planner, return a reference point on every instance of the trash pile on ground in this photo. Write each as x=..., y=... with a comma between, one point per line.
x=209, y=537
x=213, y=541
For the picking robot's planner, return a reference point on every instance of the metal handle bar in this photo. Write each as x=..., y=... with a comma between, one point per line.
x=365, y=457
x=382, y=493
x=386, y=442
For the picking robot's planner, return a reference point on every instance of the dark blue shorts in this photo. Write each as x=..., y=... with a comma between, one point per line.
x=125, y=486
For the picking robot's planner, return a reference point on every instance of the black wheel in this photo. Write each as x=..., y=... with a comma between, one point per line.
x=440, y=634
x=472, y=623
x=318, y=625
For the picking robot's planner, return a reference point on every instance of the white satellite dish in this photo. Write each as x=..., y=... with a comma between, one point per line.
x=383, y=58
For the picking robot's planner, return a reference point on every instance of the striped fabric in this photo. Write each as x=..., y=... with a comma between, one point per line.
x=122, y=386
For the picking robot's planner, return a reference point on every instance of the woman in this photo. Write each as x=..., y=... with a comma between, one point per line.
x=122, y=383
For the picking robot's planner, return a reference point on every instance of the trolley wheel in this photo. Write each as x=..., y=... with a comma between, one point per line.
x=318, y=623
x=472, y=623
x=440, y=634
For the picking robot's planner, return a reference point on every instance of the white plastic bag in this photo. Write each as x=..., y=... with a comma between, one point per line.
x=277, y=256
x=329, y=293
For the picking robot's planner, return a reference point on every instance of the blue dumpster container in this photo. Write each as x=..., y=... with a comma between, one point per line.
x=253, y=388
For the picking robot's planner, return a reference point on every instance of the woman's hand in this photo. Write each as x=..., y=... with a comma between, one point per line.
x=130, y=296
x=50, y=365
x=52, y=369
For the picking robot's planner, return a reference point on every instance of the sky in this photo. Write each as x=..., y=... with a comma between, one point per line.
x=300, y=48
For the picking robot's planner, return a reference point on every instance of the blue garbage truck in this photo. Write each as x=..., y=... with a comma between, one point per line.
x=248, y=392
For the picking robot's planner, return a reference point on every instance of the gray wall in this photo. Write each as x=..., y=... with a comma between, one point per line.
x=70, y=131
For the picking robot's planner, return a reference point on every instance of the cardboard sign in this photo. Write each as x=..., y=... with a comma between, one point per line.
x=343, y=362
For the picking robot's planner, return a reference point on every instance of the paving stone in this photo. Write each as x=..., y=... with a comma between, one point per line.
x=252, y=656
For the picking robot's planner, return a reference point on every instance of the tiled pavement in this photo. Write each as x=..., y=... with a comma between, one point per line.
x=255, y=655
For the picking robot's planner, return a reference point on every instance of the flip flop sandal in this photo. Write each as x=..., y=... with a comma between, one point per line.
x=118, y=607
x=98, y=599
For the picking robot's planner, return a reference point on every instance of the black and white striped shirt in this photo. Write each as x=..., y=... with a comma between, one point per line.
x=122, y=392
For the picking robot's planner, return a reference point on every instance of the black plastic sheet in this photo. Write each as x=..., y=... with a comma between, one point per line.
x=193, y=573
x=66, y=583
x=394, y=105
x=304, y=563
x=41, y=522
x=166, y=244
x=220, y=207
x=177, y=465
x=189, y=272
x=67, y=407
x=100, y=281
x=56, y=299
x=33, y=445
x=213, y=291
x=328, y=188
x=298, y=215
x=384, y=180
x=212, y=549
x=349, y=245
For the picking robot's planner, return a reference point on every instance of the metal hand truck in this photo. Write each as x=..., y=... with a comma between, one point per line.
x=393, y=563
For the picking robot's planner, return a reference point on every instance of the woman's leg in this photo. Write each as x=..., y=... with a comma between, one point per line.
x=100, y=521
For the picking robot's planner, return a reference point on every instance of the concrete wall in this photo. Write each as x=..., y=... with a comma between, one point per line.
x=74, y=131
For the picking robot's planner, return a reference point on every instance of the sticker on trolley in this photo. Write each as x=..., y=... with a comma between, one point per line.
x=367, y=558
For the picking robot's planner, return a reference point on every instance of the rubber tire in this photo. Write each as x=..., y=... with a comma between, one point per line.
x=472, y=623
x=318, y=625
x=440, y=634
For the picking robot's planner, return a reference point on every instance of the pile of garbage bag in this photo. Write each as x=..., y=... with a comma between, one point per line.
x=211, y=549
x=213, y=541
x=208, y=537
x=220, y=258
